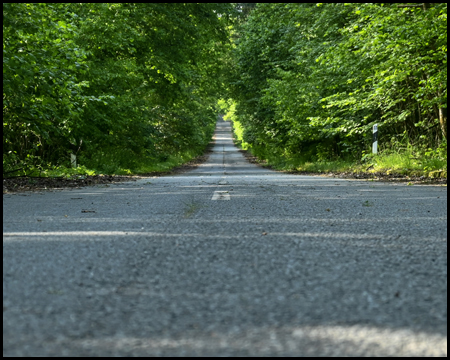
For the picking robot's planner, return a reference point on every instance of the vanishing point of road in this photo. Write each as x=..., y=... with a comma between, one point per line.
x=229, y=259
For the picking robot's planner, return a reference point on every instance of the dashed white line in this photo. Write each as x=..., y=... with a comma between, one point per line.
x=221, y=195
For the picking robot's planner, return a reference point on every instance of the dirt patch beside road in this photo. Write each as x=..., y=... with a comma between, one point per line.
x=20, y=184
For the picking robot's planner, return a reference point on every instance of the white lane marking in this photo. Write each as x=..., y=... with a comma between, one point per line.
x=221, y=195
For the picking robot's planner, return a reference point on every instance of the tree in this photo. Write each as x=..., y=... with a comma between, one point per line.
x=120, y=83
x=311, y=79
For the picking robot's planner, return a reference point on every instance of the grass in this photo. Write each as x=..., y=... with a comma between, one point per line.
x=168, y=164
x=395, y=158
x=388, y=163
x=115, y=164
x=407, y=161
x=110, y=165
x=319, y=166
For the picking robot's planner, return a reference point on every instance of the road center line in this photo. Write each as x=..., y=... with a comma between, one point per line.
x=221, y=195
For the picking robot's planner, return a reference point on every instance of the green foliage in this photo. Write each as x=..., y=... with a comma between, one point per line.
x=311, y=80
x=410, y=159
x=40, y=84
x=130, y=86
x=119, y=85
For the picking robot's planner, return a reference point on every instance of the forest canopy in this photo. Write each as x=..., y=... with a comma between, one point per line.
x=311, y=79
x=115, y=84
x=124, y=86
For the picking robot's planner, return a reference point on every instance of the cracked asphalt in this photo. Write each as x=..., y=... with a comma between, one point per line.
x=230, y=259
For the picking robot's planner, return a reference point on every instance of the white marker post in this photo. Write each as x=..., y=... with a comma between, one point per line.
x=375, y=139
x=73, y=160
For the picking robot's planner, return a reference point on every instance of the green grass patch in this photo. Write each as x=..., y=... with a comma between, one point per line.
x=407, y=161
x=169, y=162
x=321, y=166
x=110, y=165
x=408, y=164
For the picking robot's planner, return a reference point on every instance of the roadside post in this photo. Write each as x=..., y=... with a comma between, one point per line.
x=375, y=139
x=73, y=160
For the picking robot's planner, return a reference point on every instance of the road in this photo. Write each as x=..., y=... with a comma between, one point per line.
x=230, y=259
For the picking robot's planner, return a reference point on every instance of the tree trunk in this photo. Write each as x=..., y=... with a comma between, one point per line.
x=443, y=122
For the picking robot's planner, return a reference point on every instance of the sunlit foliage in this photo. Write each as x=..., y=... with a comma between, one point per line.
x=116, y=84
x=310, y=80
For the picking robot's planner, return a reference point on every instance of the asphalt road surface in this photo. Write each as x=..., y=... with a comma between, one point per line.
x=229, y=259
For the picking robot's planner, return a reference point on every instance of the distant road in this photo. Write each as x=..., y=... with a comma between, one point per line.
x=230, y=259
